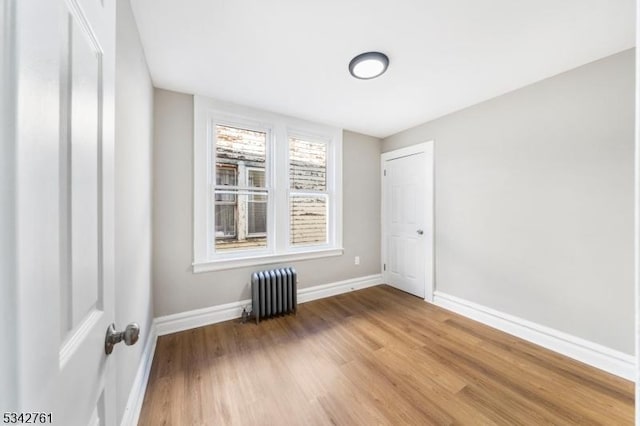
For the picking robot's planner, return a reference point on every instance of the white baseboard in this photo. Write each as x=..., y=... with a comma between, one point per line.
x=326, y=290
x=596, y=355
x=200, y=317
x=136, y=395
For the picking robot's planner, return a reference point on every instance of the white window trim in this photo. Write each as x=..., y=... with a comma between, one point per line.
x=268, y=259
x=280, y=127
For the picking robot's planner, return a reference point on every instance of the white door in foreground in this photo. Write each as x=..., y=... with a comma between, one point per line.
x=64, y=51
x=408, y=219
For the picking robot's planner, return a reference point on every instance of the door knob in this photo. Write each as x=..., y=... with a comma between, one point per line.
x=129, y=336
x=420, y=231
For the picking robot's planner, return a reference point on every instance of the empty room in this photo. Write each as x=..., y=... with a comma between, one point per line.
x=346, y=212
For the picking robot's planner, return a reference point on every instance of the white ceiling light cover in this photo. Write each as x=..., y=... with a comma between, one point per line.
x=368, y=65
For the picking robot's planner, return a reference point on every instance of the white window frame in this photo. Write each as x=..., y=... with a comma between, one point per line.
x=207, y=114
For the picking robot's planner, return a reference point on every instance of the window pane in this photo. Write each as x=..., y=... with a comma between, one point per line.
x=255, y=178
x=307, y=165
x=225, y=220
x=241, y=220
x=257, y=215
x=237, y=150
x=308, y=220
x=226, y=175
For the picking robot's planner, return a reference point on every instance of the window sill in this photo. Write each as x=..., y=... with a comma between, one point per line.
x=221, y=265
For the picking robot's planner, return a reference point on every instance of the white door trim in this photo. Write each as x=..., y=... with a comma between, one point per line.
x=8, y=245
x=636, y=248
x=427, y=148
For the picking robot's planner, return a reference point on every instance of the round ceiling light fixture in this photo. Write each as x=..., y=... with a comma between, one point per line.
x=368, y=65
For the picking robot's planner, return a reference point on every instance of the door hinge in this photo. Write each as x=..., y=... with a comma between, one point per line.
x=384, y=267
x=385, y=172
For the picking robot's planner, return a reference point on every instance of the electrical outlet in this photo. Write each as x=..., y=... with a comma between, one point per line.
x=356, y=261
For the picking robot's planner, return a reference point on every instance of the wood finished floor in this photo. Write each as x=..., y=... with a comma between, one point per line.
x=374, y=356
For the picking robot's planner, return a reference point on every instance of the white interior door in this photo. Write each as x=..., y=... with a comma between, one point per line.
x=64, y=75
x=407, y=247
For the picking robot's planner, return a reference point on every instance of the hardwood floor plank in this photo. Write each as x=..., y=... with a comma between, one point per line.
x=374, y=356
x=622, y=389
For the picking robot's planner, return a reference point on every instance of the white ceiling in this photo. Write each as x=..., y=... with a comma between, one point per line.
x=291, y=56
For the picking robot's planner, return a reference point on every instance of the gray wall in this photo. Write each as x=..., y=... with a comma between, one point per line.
x=534, y=201
x=133, y=142
x=176, y=288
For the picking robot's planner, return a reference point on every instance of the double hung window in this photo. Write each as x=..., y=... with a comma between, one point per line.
x=267, y=188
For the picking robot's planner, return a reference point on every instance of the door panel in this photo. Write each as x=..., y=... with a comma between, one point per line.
x=396, y=203
x=392, y=262
x=64, y=143
x=413, y=260
x=412, y=204
x=408, y=220
x=83, y=114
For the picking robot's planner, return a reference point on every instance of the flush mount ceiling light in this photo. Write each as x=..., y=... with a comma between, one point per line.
x=368, y=65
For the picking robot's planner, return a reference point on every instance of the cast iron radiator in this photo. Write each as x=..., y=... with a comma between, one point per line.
x=274, y=292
